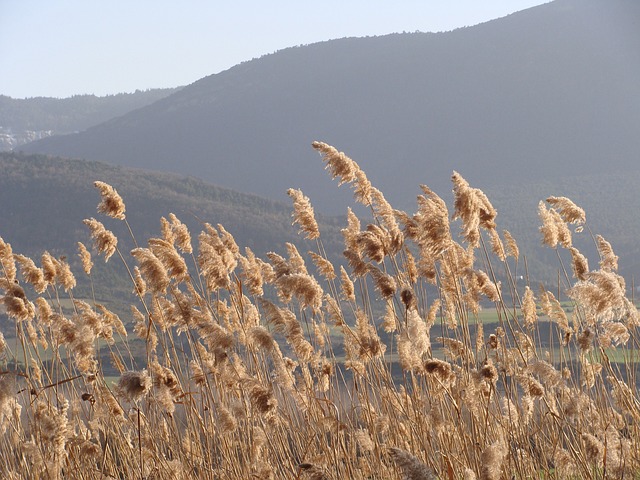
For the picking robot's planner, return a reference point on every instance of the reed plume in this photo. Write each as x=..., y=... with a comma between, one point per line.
x=133, y=385
x=303, y=214
x=474, y=209
x=608, y=259
x=181, y=234
x=104, y=240
x=85, y=258
x=410, y=466
x=416, y=356
x=31, y=273
x=153, y=271
x=111, y=204
x=579, y=264
x=569, y=211
x=7, y=261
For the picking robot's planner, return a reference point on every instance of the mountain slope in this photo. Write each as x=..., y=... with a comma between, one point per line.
x=548, y=92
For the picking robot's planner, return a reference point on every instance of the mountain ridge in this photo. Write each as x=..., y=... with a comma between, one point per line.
x=537, y=94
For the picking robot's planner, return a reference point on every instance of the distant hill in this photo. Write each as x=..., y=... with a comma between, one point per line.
x=45, y=199
x=549, y=92
x=24, y=120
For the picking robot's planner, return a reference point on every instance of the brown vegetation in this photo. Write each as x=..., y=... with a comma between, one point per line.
x=241, y=377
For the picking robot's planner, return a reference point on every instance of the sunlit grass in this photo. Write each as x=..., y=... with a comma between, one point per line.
x=412, y=362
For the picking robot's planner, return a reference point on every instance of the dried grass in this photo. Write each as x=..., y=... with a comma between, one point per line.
x=270, y=369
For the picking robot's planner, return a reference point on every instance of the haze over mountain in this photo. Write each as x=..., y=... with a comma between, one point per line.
x=548, y=92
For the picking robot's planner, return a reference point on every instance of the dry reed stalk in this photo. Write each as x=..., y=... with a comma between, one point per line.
x=608, y=259
x=569, y=211
x=31, y=273
x=7, y=261
x=303, y=214
x=410, y=466
x=104, y=240
x=474, y=209
x=237, y=387
x=111, y=204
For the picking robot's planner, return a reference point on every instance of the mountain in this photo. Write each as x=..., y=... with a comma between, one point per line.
x=549, y=92
x=28, y=119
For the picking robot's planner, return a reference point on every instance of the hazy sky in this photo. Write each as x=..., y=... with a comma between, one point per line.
x=64, y=47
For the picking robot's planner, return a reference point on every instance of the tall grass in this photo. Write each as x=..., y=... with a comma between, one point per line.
x=282, y=368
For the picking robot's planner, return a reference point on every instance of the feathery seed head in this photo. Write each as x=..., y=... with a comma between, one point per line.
x=512, y=246
x=492, y=458
x=15, y=301
x=383, y=282
x=85, y=258
x=529, y=307
x=31, y=273
x=261, y=337
x=7, y=262
x=549, y=228
x=337, y=162
x=303, y=214
x=411, y=467
x=579, y=264
x=252, y=272
x=104, y=240
x=569, y=211
x=181, y=234
x=325, y=267
x=497, y=247
x=172, y=261
x=152, y=269
x=111, y=204
x=608, y=259
x=134, y=385
x=474, y=209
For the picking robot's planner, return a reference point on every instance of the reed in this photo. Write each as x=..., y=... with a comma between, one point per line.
x=284, y=368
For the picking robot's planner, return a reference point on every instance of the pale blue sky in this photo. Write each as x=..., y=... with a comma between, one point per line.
x=64, y=47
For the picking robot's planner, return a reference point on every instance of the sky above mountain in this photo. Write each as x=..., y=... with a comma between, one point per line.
x=70, y=47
